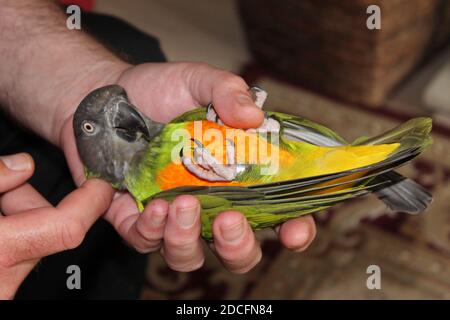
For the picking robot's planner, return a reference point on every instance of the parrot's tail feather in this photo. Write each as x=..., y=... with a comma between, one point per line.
x=405, y=195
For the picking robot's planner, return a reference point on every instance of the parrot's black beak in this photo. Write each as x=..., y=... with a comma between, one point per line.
x=129, y=123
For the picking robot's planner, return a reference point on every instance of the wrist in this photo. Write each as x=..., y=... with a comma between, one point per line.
x=46, y=68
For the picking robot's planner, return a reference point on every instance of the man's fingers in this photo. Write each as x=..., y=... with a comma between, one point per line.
x=235, y=243
x=40, y=232
x=151, y=224
x=22, y=199
x=16, y=202
x=183, y=249
x=228, y=92
x=144, y=231
x=13, y=202
x=297, y=234
x=87, y=203
x=14, y=170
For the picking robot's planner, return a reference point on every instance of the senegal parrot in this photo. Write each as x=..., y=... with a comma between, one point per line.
x=287, y=168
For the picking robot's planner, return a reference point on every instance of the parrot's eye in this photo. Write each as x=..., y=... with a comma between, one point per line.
x=88, y=127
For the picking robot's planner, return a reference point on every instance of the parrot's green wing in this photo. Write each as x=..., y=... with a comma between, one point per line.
x=296, y=128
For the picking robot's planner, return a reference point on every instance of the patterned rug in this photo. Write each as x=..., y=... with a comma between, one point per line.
x=413, y=252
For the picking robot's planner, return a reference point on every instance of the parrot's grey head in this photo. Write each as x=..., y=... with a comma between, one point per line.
x=111, y=133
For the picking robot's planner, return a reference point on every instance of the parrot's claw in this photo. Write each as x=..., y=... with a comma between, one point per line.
x=211, y=114
x=231, y=152
x=269, y=125
x=259, y=96
x=208, y=167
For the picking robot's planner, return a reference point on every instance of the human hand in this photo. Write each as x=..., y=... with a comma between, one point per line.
x=30, y=228
x=162, y=92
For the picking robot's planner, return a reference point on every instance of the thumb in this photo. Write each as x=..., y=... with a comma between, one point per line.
x=228, y=92
x=14, y=170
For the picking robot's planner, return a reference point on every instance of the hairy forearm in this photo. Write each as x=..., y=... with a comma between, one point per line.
x=45, y=68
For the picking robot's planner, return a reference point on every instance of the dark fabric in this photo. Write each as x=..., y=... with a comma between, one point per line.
x=128, y=42
x=109, y=269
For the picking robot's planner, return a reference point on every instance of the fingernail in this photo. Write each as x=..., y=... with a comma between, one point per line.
x=17, y=162
x=232, y=232
x=158, y=217
x=244, y=99
x=304, y=238
x=186, y=216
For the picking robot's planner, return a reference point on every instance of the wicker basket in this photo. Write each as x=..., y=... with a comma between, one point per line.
x=326, y=44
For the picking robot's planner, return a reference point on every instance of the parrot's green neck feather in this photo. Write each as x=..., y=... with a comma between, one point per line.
x=91, y=175
x=141, y=180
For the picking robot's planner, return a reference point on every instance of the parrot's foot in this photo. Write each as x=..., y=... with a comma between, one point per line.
x=269, y=125
x=259, y=96
x=211, y=115
x=208, y=167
